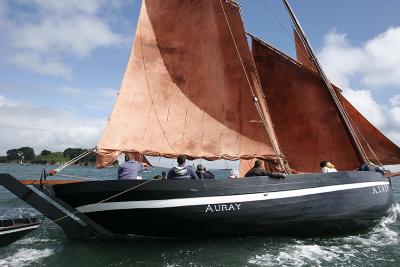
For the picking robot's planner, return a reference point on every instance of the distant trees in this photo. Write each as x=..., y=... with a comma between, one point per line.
x=73, y=152
x=45, y=152
x=12, y=154
x=25, y=153
x=46, y=156
x=28, y=153
x=52, y=158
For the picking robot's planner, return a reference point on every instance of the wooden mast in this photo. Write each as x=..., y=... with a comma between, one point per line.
x=342, y=112
x=258, y=96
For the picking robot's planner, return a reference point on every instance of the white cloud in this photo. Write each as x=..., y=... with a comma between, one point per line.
x=373, y=67
x=44, y=128
x=335, y=57
x=108, y=92
x=66, y=6
x=383, y=59
x=395, y=101
x=363, y=101
x=53, y=30
x=395, y=110
x=95, y=95
x=2, y=14
x=39, y=63
x=376, y=63
x=78, y=35
x=72, y=92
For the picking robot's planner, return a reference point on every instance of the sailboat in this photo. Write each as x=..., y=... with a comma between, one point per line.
x=194, y=87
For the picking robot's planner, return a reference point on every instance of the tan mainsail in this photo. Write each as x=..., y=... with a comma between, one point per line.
x=305, y=118
x=186, y=90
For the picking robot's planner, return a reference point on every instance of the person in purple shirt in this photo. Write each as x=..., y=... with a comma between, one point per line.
x=130, y=168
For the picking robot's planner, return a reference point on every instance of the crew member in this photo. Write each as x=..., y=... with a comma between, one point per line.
x=130, y=168
x=181, y=171
x=258, y=170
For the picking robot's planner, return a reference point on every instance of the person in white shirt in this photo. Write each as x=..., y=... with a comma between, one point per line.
x=234, y=174
x=326, y=166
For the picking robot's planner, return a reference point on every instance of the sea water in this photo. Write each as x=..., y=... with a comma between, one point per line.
x=48, y=246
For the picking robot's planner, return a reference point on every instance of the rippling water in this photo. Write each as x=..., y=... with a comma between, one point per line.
x=48, y=246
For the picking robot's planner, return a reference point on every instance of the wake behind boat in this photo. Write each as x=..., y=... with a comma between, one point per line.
x=193, y=87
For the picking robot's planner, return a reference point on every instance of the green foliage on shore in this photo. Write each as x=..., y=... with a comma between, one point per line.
x=52, y=158
x=24, y=153
x=27, y=155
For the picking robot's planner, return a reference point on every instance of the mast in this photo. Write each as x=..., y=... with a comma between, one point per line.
x=260, y=103
x=342, y=112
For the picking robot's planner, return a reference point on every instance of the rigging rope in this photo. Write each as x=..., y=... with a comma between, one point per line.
x=368, y=145
x=341, y=110
x=290, y=36
x=81, y=177
x=109, y=198
x=66, y=164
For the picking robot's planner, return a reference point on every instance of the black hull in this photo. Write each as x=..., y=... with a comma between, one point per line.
x=312, y=204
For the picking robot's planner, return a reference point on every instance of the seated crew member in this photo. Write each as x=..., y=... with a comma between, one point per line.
x=234, y=174
x=258, y=170
x=181, y=171
x=130, y=168
x=372, y=167
x=326, y=166
x=202, y=173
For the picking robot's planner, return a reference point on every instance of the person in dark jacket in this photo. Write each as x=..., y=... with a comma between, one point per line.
x=181, y=171
x=202, y=173
x=258, y=170
x=370, y=166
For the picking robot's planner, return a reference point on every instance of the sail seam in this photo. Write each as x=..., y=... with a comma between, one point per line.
x=148, y=87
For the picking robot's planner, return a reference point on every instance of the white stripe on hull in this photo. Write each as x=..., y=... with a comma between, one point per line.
x=18, y=229
x=183, y=202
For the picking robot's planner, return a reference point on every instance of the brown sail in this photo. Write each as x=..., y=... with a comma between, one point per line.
x=188, y=87
x=302, y=54
x=304, y=116
x=305, y=119
x=377, y=146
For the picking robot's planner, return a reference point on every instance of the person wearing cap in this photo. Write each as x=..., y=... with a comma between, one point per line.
x=326, y=166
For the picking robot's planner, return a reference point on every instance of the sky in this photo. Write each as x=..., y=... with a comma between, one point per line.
x=62, y=62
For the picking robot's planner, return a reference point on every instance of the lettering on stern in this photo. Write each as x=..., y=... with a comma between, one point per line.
x=222, y=207
x=380, y=189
